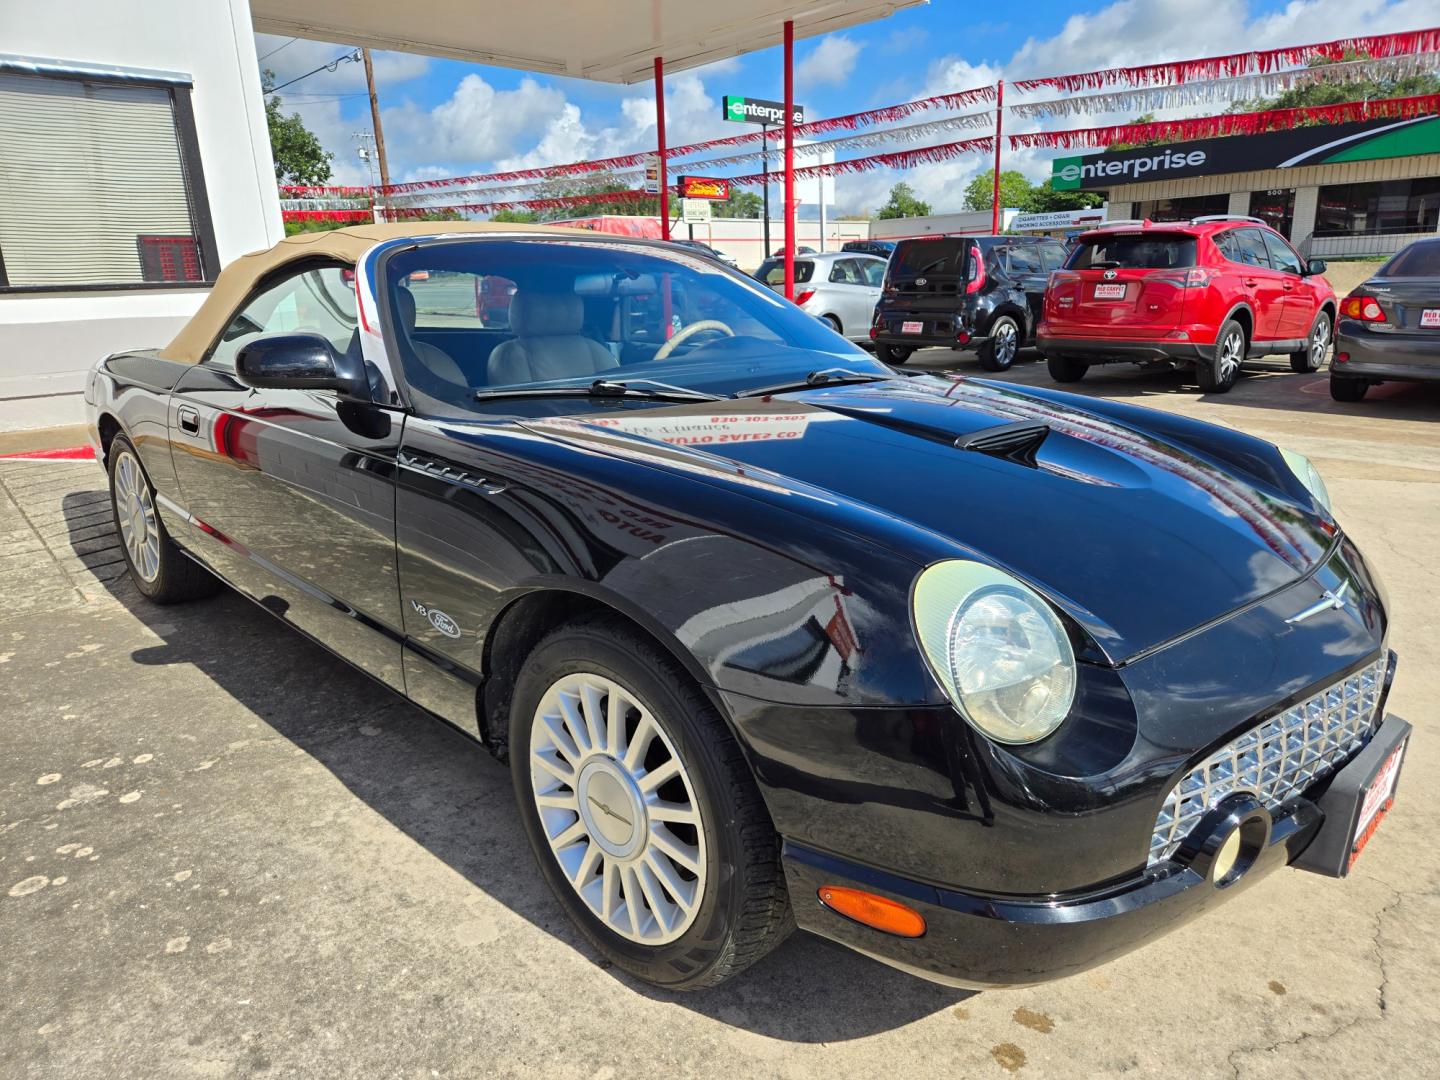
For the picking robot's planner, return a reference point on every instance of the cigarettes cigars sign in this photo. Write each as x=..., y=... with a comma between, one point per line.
x=743, y=110
x=703, y=187
x=1321, y=144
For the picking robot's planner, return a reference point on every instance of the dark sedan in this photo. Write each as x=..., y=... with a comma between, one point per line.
x=990, y=683
x=1389, y=328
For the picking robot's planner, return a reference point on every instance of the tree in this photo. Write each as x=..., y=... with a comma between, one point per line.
x=524, y=217
x=1143, y=118
x=1046, y=200
x=299, y=157
x=741, y=204
x=903, y=203
x=1015, y=190
x=597, y=184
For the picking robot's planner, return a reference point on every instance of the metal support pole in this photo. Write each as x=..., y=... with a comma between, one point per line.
x=765, y=186
x=375, y=121
x=660, y=138
x=999, y=128
x=789, y=160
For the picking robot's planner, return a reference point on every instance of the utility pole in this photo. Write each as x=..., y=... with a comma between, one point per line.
x=765, y=184
x=375, y=120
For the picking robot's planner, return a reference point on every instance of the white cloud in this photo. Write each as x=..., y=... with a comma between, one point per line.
x=300, y=56
x=831, y=61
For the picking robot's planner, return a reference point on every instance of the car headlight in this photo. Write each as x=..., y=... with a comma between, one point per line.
x=1305, y=471
x=996, y=648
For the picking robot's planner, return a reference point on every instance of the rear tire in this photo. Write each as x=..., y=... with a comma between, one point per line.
x=1218, y=372
x=892, y=354
x=1317, y=345
x=159, y=569
x=834, y=324
x=1065, y=368
x=1001, y=346
x=1343, y=389
x=735, y=908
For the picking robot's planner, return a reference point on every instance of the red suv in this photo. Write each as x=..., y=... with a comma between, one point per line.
x=1208, y=293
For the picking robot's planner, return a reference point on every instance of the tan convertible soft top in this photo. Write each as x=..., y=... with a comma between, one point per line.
x=238, y=279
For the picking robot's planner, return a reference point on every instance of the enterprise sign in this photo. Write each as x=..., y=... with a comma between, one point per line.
x=1363, y=140
x=743, y=110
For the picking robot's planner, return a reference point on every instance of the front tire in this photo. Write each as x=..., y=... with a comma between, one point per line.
x=1065, y=368
x=1349, y=390
x=1000, y=348
x=892, y=354
x=1312, y=357
x=642, y=813
x=1217, y=373
x=157, y=567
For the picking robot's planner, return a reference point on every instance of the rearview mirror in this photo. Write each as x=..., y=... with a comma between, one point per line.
x=1315, y=267
x=301, y=362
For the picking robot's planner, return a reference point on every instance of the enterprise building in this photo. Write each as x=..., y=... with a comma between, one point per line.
x=1361, y=189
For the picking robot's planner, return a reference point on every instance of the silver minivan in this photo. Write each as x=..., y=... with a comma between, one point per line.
x=840, y=287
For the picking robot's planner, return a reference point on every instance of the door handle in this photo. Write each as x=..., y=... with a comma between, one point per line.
x=1250, y=283
x=189, y=420
x=1289, y=286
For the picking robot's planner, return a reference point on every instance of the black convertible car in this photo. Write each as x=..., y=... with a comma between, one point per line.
x=990, y=683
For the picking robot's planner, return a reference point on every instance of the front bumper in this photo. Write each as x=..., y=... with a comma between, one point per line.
x=980, y=942
x=1397, y=357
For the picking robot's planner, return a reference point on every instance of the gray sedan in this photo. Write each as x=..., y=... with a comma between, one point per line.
x=839, y=287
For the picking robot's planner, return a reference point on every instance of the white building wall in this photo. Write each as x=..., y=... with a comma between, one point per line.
x=47, y=341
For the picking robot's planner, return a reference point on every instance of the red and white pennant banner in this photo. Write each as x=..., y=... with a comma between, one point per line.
x=1375, y=46
x=899, y=159
x=1207, y=127
x=1239, y=88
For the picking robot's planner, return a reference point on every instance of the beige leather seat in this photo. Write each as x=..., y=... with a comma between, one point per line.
x=436, y=361
x=547, y=343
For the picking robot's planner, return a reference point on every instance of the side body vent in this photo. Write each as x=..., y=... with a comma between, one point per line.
x=1018, y=442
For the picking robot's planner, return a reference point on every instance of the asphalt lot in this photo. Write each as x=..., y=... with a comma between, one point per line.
x=224, y=853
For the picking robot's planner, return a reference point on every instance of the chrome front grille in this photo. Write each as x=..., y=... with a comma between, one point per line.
x=1275, y=759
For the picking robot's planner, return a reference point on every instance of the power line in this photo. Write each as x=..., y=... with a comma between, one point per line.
x=331, y=66
x=273, y=51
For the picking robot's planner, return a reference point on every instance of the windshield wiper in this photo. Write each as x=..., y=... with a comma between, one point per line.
x=642, y=389
x=836, y=376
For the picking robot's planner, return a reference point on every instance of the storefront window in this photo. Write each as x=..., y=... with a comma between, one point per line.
x=1386, y=206
x=1275, y=207
x=1183, y=209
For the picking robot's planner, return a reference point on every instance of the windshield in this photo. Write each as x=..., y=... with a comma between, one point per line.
x=772, y=271
x=1135, y=251
x=474, y=315
x=941, y=257
x=1418, y=260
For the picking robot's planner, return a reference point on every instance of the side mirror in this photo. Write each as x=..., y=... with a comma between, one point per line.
x=1315, y=267
x=301, y=362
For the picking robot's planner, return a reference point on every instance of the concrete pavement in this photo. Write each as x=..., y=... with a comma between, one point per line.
x=225, y=853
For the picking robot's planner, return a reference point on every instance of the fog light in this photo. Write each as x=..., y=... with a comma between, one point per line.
x=879, y=912
x=874, y=332
x=1342, y=358
x=962, y=337
x=1226, y=857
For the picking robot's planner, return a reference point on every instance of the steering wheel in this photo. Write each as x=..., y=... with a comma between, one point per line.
x=687, y=332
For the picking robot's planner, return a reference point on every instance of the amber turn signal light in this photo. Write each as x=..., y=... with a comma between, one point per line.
x=877, y=911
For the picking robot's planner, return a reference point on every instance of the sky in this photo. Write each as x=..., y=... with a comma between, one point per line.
x=446, y=118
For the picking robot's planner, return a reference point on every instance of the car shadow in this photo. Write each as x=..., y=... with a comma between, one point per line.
x=808, y=990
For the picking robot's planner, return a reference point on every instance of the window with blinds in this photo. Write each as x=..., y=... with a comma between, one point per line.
x=92, y=185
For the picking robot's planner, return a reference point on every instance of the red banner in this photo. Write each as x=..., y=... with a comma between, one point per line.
x=1219, y=67
x=900, y=159
x=1208, y=127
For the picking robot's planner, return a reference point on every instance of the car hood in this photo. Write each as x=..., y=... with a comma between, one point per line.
x=1139, y=538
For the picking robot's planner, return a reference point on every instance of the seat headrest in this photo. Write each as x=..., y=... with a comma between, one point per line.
x=405, y=307
x=534, y=314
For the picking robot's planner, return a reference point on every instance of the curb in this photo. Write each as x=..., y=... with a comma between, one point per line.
x=69, y=453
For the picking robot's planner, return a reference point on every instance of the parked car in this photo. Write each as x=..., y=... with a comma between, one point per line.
x=964, y=292
x=800, y=249
x=1205, y=294
x=706, y=249
x=770, y=634
x=1389, y=329
x=837, y=288
x=881, y=248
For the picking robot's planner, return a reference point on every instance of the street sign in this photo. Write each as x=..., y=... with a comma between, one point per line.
x=652, y=174
x=703, y=187
x=695, y=211
x=743, y=110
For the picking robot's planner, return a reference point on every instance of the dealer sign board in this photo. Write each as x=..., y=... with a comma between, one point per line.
x=1322, y=144
x=743, y=110
x=716, y=188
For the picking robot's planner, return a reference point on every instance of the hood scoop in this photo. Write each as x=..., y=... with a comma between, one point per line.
x=1018, y=442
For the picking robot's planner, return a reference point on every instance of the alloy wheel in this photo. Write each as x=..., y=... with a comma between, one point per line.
x=1230, y=355
x=1006, y=338
x=618, y=808
x=1319, y=342
x=135, y=510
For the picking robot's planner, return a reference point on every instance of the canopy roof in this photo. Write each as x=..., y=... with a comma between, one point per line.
x=346, y=245
x=613, y=41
